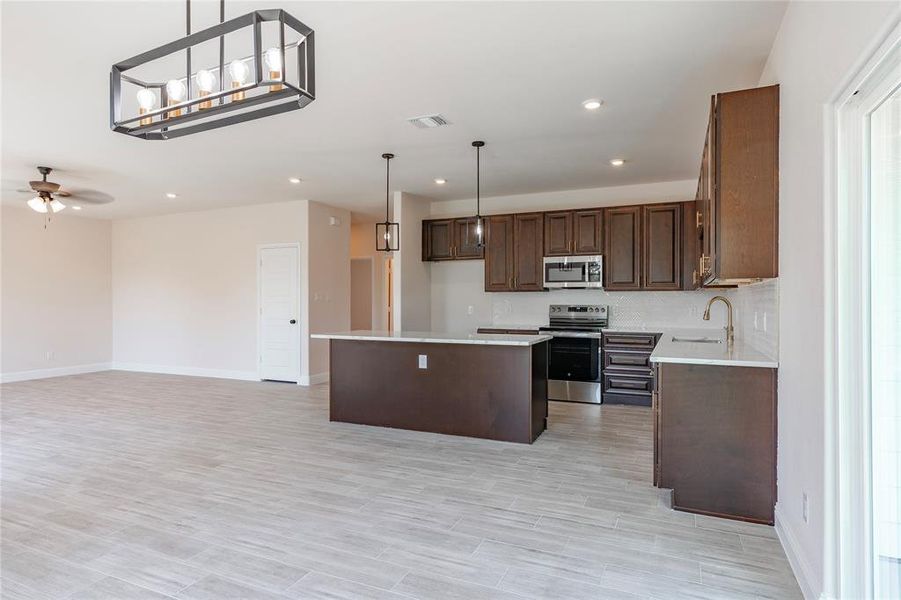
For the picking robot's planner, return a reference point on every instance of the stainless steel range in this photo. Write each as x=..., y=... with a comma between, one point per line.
x=574, y=356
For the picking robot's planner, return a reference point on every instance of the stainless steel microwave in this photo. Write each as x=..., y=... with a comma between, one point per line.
x=577, y=272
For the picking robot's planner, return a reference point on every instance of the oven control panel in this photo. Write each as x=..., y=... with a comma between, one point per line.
x=591, y=311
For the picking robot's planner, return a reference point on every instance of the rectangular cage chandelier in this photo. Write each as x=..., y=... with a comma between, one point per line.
x=257, y=83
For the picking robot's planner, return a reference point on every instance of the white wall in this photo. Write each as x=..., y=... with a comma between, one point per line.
x=185, y=287
x=362, y=245
x=412, y=276
x=55, y=294
x=328, y=283
x=816, y=49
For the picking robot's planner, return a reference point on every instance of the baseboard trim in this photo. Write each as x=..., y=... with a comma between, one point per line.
x=800, y=566
x=314, y=379
x=189, y=371
x=53, y=372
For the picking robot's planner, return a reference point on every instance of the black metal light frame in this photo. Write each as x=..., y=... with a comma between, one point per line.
x=194, y=120
x=480, y=226
x=387, y=234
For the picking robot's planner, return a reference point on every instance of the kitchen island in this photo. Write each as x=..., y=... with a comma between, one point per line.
x=491, y=386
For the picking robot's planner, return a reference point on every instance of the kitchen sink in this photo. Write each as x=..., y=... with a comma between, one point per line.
x=697, y=340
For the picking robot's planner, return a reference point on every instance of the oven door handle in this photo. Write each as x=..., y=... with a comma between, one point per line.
x=572, y=334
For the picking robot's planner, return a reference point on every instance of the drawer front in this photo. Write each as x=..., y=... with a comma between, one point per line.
x=627, y=384
x=637, y=341
x=624, y=360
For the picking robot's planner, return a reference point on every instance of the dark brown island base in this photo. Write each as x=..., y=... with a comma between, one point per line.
x=485, y=386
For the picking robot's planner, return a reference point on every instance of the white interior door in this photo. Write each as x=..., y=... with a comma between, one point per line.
x=279, y=308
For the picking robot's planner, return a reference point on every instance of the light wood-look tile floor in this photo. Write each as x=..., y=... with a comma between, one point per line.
x=124, y=485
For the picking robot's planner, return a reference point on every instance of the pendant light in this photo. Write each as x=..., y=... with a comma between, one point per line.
x=387, y=234
x=480, y=229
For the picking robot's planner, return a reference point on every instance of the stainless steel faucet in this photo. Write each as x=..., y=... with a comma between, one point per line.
x=730, y=331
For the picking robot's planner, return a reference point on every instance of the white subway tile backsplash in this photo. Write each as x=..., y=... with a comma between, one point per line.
x=457, y=286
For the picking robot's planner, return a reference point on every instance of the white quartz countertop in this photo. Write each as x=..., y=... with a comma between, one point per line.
x=699, y=353
x=436, y=337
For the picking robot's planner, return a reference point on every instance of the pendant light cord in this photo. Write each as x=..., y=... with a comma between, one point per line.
x=387, y=187
x=478, y=180
x=188, y=50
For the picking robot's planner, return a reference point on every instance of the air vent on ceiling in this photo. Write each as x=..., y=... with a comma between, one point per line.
x=429, y=121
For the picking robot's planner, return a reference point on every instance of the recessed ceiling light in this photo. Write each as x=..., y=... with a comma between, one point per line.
x=171, y=196
x=440, y=181
x=294, y=179
x=592, y=104
x=76, y=208
x=617, y=162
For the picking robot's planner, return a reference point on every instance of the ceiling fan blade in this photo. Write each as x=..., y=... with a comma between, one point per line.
x=87, y=196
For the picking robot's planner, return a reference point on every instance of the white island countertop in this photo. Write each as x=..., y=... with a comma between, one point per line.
x=700, y=353
x=435, y=337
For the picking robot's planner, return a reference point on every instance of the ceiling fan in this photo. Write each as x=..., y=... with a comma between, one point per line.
x=48, y=193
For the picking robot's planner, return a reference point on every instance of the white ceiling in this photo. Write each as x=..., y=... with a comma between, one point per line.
x=512, y=74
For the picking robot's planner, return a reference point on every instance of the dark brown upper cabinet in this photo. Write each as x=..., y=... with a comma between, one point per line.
x=573, y=232
x=691, y=276
x=499, y=253
x=739, y=191
x=558, y=233
x=588, y=231
x=514, y=253
x=450, y=239
x=528, y=254
x=662, y=252
x=467, y=239
x=438, y=239
x=622, y=256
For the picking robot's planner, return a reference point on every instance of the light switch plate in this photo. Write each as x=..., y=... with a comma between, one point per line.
x=423, y=361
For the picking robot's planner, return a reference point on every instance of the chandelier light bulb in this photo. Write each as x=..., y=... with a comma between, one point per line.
x=274, y=59
x=239, y=71
x=176, y=90
x=146, y=99
x=206, y=80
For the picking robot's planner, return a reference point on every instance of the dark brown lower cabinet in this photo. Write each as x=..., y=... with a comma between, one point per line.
x=715, y=439
x=627, y=376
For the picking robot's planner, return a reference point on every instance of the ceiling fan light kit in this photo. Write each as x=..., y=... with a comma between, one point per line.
x=221, y=94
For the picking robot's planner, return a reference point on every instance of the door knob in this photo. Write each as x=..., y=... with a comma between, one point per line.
x=293, y=321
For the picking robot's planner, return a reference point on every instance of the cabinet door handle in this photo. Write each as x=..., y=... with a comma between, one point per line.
x=698, y=220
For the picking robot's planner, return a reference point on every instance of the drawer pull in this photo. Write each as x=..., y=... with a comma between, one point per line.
x=628, y=384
